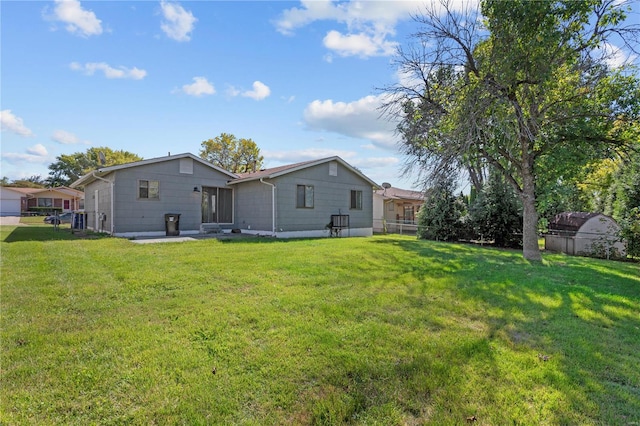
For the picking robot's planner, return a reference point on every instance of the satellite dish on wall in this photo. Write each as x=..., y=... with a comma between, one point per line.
x=101, y=158
x=386, y=185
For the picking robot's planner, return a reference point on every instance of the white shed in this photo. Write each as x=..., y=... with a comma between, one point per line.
x=585, y=234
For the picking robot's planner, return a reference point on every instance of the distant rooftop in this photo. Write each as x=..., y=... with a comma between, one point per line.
x=392, y=193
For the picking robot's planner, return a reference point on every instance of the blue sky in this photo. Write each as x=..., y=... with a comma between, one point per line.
x=153, y=77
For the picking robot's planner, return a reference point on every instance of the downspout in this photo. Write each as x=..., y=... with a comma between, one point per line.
x=111, y=192
x=273, y=205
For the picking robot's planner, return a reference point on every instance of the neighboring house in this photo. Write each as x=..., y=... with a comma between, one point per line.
x=291, y=201
x=584, y=234
x=20, y=201
x=301, y=200
x=394, y=207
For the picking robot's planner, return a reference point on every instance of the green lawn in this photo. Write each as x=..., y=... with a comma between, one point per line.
x=384, y=330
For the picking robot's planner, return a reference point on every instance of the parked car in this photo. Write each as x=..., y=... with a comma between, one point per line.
x=62, y=218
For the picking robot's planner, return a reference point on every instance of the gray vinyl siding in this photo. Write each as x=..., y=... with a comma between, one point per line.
x=104, y=205
x=332, y=195
x=176, y=196
x=253, y=206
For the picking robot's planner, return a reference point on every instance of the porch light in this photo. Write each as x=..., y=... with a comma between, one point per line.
x=196, y=189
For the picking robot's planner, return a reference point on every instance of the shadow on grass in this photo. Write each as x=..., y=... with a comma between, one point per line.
x=582, y=314
x=9, y=234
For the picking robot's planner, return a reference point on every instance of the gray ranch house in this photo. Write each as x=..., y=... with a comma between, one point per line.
x=186, y=193
x=309, y=199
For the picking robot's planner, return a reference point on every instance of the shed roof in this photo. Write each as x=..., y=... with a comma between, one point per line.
x=570, y=221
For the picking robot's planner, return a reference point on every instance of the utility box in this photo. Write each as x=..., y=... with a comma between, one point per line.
x=172, y=224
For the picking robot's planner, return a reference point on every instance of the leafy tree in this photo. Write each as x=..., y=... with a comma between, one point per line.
x=34, y=181
x=527, y=90
x=70, y=167
x=232, y=154
x=630, y=231
x=439, y=217
x=597, y=182
x=624, y=193
x=497, y=213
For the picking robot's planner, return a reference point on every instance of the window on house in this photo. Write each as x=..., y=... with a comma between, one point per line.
x=304, y=199
x=409, y=214
x=356, y=200
x=390, y=207
x=148, y=189
x=45, y=202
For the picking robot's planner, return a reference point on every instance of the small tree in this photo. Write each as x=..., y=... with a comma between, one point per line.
x=439, y=217
x=497, y=214
x=232, y=154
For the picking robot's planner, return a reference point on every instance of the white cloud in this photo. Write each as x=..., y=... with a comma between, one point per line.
x=363, y=45
x=358, y=119
x=38, y=150
x=368, y=24
x=35, y=154
x=614, y=56
x=12, y=123
x=178, y=23
x=109, y=72
x=67, y=138
x=78, y=20
x=259, y=92
x=199, y=87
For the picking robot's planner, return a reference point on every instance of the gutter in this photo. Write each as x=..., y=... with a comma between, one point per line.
x=273, y=205
x=111, y=221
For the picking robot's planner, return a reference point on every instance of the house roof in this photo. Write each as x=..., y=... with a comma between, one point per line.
x=570, y=221
x=33, y=191
x=290, y=168
x=392, y=193
x=24, y=191
x=92, y=176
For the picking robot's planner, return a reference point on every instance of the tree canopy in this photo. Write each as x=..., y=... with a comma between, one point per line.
x=232, y=154
x=525, y=87
x=33, y=181
x=70, y=167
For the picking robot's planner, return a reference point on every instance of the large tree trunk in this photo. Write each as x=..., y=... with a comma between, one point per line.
x=530, y=248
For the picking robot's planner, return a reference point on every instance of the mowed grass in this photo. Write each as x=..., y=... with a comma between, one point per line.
x=384, y=330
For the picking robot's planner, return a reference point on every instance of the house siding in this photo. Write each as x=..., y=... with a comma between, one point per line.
x=254, y=210
x=136, y=216
x=331, y=196
x=101, y=190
